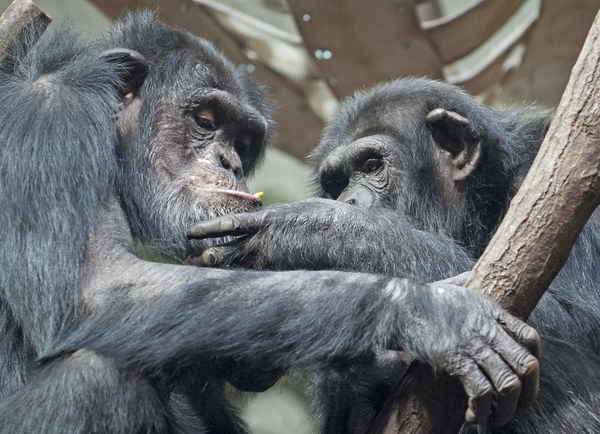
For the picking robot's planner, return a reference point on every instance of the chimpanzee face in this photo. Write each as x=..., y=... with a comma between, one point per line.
x=205, y=144
x=366, y=162
x=404, y=145
x=187, y=141
x=360, y=173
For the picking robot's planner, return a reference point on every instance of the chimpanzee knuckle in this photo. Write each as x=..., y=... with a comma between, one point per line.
x=508, y=384
x=483, y=390
x=480, y=403
x=532, y=340
x=507, y=402
x=531, y=366
x=476, y=384
x=531, y=383
x=232, y=223
x=522, y=331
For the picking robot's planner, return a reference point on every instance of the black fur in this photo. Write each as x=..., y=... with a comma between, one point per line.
x=412, y=219
x=568, y=316
x=96, y=339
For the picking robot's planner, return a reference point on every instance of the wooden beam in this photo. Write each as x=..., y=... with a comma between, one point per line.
x=456, y=35
x=358, y=44
x=552, y=48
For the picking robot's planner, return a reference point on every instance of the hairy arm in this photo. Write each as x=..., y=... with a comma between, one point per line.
x=326, y=234
x=178, y=316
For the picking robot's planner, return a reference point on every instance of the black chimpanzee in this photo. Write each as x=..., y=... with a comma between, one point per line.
x=422, y=175
x=135, y=138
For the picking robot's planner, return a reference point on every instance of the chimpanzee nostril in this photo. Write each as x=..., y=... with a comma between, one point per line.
x=231, y=163
x=224, y=162
x=351, y=201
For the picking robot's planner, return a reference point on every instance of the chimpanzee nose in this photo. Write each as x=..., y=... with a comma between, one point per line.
x=358, y=195
x=230, y=161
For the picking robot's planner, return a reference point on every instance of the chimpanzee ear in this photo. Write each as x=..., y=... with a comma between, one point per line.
x=455, y=135
x=135, y=68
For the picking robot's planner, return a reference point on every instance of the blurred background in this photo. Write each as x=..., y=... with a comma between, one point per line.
x=310, y=54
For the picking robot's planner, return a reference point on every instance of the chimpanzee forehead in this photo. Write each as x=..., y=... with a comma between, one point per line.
x=184, y=75
x=395, y=117
x=397, y=108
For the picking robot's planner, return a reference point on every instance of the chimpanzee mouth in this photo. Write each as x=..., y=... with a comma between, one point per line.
x=255, y=201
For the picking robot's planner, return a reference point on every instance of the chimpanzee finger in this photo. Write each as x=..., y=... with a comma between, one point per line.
x=237, y=224
x=479, y=391
x=458, y=280
x=212, y=257
x=526, y=366
x=523, y=333
x=505, y=382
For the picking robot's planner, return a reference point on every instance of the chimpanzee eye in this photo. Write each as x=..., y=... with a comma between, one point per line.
x=371, y=165
x=334, y=182
x=206, y=119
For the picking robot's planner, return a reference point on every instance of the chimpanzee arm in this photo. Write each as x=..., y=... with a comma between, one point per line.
x=172, y=315
x=326, y=234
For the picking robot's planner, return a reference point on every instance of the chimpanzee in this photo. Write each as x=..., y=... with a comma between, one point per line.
x=421, y=175
x=133, y=138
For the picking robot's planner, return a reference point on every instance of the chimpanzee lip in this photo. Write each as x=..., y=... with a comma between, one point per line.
x=234, y=193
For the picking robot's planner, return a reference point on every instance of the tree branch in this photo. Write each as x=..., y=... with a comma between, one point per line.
x=15, y=21
x=559, y=194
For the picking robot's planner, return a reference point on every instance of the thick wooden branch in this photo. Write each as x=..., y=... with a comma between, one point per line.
x=15, y=21
x=559, y=194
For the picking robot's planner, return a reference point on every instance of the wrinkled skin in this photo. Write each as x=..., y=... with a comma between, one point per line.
x=131, y=140
x=488, y=363
x=414, y=177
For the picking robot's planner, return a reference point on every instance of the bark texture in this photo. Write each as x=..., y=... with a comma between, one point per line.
x=15, y=22
x=559, y=194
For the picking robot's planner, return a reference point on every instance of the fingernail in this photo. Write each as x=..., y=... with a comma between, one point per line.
x=208, y=257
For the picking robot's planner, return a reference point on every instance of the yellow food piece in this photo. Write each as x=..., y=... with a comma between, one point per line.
x=259, y=194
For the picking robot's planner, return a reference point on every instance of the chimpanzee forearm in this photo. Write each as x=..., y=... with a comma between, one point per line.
x=379, y=241
x=324, y=234
x=205, y=308
x=178, y=317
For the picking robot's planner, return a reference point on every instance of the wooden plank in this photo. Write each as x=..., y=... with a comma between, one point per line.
x=457, y=34
x=15, y=21
x=488, y=78
x=363, y=43
x=298, y=129
x=552, y=49
x=494, y=74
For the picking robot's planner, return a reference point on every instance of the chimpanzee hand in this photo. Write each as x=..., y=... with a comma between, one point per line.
x=278, y=236
x=321, y=234
x=466, y=335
